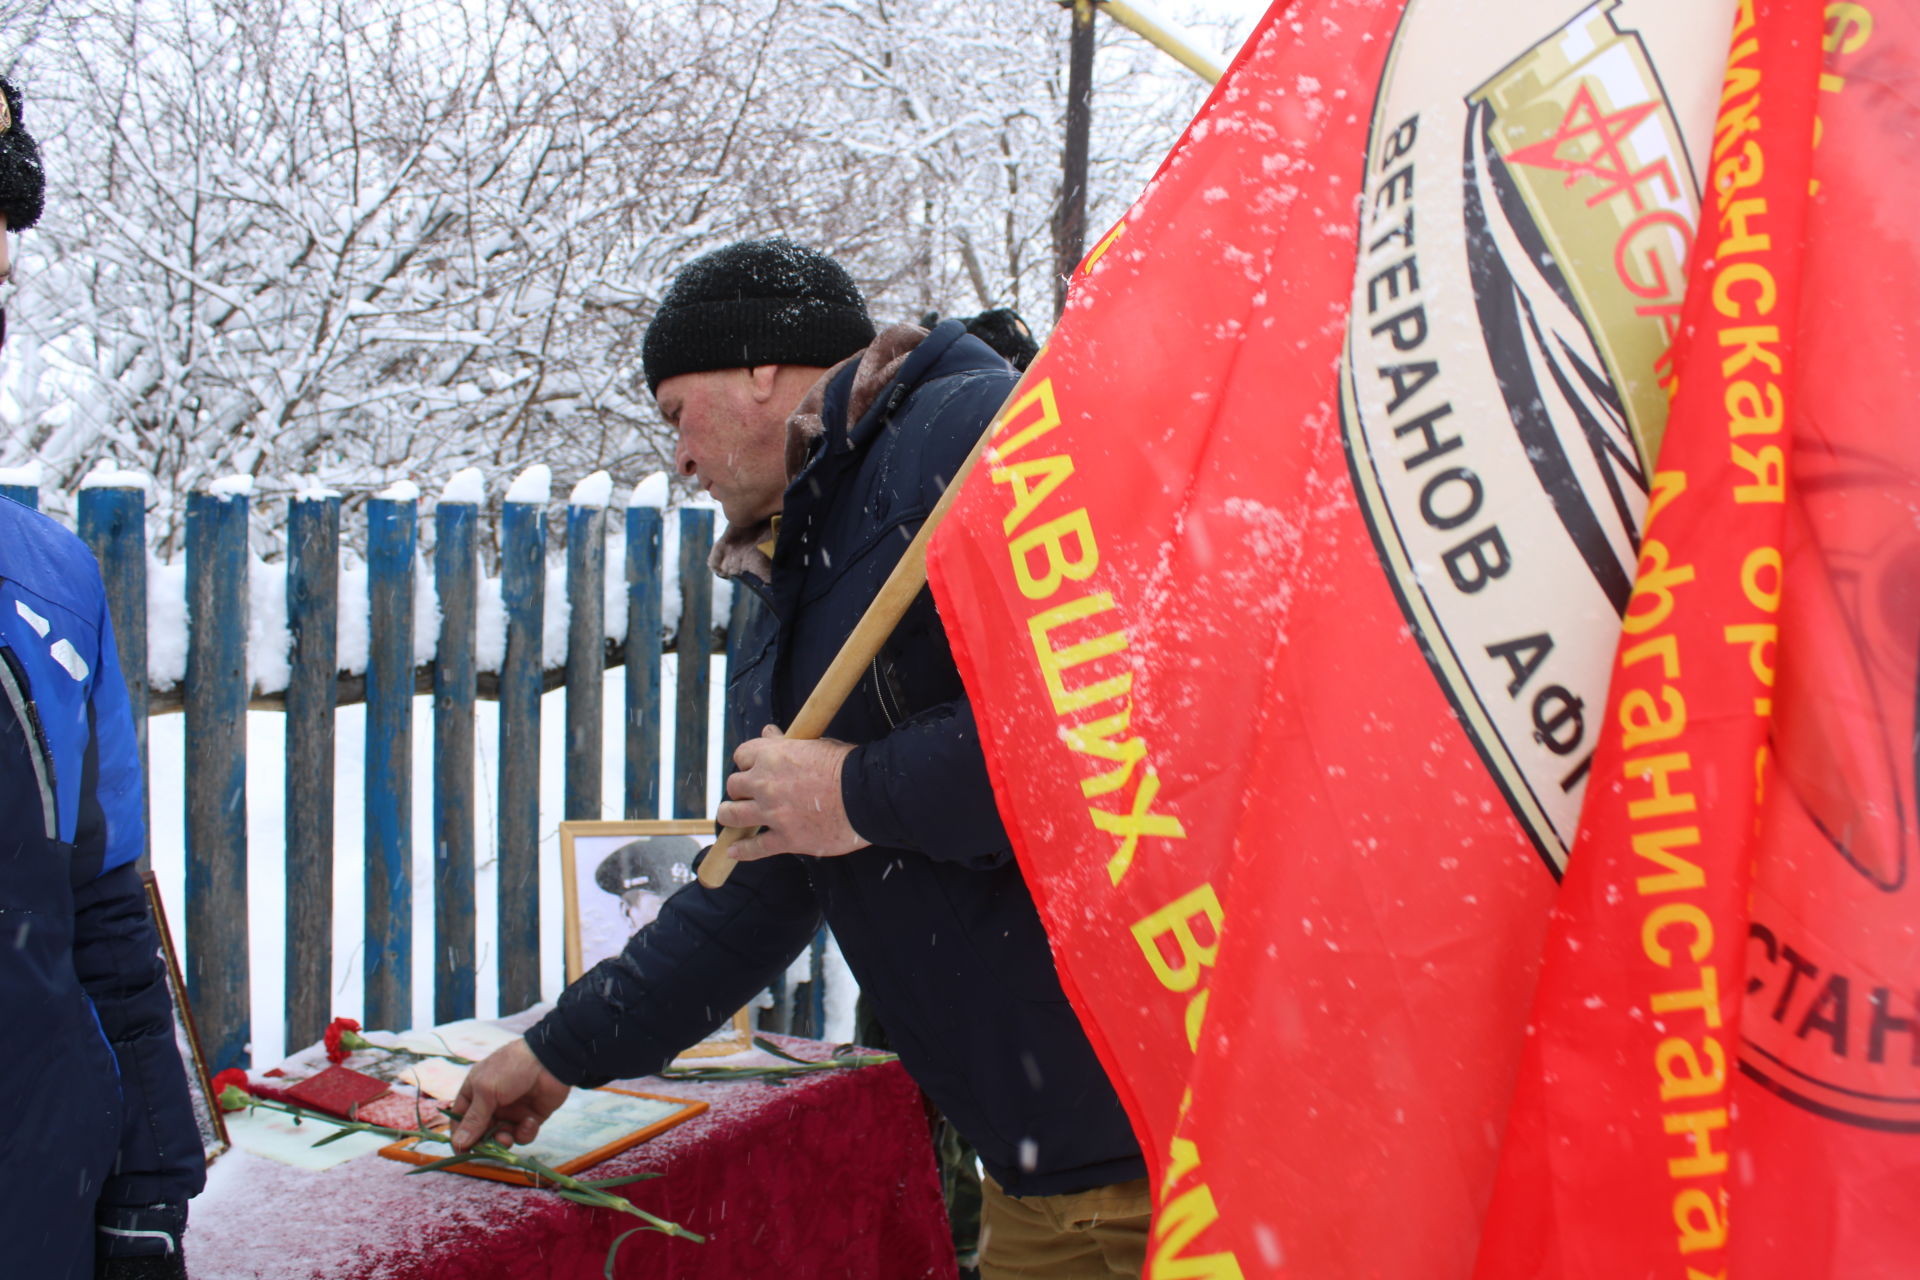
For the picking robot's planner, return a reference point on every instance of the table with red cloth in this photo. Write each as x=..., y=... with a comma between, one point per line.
x=828, y=1174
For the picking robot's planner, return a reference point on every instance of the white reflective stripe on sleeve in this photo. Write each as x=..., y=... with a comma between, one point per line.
x=69, y=659
x=34, y=620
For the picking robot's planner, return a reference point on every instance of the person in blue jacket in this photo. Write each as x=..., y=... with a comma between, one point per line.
x=827, y=445
x=99, y=1146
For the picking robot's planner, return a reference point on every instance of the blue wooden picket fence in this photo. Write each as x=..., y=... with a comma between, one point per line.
x=215, y=696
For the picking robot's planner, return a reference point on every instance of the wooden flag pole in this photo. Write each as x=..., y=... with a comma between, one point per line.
x=901, y=588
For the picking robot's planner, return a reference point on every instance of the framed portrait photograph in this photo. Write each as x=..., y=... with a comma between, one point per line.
x=614, y=878
x=206, y=1113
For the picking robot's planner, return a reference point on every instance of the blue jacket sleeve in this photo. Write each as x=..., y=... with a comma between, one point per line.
x=707, y=953
x=112, y=822
x=117, y=957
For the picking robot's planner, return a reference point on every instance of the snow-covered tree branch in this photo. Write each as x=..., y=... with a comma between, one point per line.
x=355, y=243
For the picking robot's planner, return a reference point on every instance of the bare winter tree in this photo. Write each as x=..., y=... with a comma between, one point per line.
x=964, y=102
x=347, y=244
x=353, y=243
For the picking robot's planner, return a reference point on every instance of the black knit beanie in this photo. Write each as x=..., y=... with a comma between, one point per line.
x=755, y=302
x=22, y=184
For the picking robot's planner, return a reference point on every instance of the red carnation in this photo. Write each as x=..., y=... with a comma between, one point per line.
x=342, y=1038
x=232, y=1090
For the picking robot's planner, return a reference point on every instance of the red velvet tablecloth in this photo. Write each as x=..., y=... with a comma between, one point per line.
x=829, y=1175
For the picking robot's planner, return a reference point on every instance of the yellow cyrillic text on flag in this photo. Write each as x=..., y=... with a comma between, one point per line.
x=1080, y=647
x=1677, y=870
x=1186, y=1210
x=1079, y=641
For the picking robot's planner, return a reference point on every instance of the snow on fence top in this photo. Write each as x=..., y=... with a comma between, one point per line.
x=400, y=491
x=106, y=476
x=535, y=484
x=268, y=638
x=269, y=641
x=468, y=485
x=650, y=492
x=594, y=491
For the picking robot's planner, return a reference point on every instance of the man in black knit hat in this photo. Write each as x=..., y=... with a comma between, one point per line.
x=827, y=445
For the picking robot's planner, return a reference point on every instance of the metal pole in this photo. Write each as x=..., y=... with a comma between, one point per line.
x=1070, y=223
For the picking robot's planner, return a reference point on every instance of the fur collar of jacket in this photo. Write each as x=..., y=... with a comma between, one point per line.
x=739, y=550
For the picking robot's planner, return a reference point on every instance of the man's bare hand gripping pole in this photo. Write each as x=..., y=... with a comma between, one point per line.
x=788, y=790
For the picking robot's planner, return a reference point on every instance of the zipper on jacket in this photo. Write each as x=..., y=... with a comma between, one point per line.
x=880, y=691
x=113, y=1055
x=12, y=683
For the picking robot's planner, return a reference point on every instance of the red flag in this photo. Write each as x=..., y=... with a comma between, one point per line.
x=1828, y=1099
x=1725, y=1077
x=1288, y=590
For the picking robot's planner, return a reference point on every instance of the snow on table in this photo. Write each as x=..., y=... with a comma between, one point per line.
x=830, y=1170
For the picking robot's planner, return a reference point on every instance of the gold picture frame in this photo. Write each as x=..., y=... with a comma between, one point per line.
x=206, y=1109
x=613, y=878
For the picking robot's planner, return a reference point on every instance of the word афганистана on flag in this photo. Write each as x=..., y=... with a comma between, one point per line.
x=1726, y=1030
x=1290, y=586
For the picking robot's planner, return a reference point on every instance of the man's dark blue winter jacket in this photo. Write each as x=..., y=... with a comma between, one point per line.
x=97, y=1111
x=934, y=919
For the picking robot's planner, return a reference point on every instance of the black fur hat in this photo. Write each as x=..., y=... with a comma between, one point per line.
x=755, y=302
x=1004, y=331
x=1000, y=328
x=22, y=183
